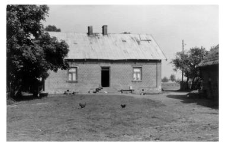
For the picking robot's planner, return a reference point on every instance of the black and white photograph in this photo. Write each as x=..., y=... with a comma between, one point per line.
x=112, y=73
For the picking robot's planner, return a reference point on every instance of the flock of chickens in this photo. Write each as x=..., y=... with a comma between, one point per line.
x=82, y=105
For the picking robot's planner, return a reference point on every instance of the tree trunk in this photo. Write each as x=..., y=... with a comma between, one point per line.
x=187, y=86
x=193, y=84
x=15, y=92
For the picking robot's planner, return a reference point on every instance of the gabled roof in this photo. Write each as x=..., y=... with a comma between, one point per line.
x=212, y=58
x=111, y=46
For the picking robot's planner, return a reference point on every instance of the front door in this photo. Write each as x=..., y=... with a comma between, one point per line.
x=105, y=77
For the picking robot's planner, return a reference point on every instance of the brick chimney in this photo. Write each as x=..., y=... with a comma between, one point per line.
x=104, y=30
x=90, y=30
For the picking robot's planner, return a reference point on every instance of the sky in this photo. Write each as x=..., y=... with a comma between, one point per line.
x=197, y=25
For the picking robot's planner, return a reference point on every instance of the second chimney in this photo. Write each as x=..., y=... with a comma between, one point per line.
x=90, y=30
x=104, y=29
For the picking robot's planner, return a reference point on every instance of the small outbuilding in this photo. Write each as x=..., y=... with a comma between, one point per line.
x=110, y=61
x=209, y=70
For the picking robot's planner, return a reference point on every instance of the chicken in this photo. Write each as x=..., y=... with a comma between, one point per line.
x=82, y=105
x=123, y=105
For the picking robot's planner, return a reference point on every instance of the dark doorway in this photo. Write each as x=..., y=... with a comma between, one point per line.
x=105, y=76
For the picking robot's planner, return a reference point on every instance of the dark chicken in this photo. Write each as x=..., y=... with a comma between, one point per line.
x=123, y=105
x=82, y=105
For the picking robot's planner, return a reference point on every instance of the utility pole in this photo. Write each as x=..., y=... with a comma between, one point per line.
x=182, y=83
x=183, y=54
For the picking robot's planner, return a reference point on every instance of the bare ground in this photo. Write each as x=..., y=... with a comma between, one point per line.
x=170, y=116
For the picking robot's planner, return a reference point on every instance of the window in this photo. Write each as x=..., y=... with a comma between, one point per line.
x=137, y=73
x=72, y=74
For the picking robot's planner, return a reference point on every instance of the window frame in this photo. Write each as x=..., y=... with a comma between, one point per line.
x=137, y=67
x=76, y=74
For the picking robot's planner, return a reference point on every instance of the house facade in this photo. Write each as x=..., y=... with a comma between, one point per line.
x=111, y=61
x=209, y=70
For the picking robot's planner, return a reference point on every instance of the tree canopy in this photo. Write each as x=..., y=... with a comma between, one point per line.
x=188, y=62
x=52, y=28
x=31, y=52
x=212, y=56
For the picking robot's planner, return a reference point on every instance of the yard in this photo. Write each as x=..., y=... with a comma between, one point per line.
x=172, y=86
x=170, y=116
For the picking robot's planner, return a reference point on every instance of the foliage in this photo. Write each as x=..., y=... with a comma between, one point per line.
x=172, y=78
x=31, y=52
x=52, y=28
x=214, y=48
x=165, y=79
x=188, y=61
x=213, y=54
x=178, y=81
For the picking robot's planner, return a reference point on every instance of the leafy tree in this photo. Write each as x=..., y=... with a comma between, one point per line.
x=31, y=52
x=214, y=48
x=188, y=62
x=165, y=79
x=52, y=28
x=172, y=78
x=178, y=80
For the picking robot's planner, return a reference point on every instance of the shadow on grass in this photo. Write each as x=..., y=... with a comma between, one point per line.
x=27, y=98
x=164, y=91
x=11, y=101
x=180, y=91
x=203, y=102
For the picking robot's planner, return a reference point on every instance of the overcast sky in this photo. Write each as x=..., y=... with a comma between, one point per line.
x=197, y=25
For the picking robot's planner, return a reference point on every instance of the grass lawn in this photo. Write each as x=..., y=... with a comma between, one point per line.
x=59, y=118
x=170, y=86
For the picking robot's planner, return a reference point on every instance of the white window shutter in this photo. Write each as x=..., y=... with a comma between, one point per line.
x=70, y=77
x=74, y=77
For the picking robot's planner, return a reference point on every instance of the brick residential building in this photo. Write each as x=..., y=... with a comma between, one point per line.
x=111, y=61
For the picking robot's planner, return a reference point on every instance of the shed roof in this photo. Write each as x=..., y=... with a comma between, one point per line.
x=212, y=58
x=111, y=46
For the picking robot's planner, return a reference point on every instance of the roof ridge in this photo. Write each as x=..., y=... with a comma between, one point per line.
x=101, y=33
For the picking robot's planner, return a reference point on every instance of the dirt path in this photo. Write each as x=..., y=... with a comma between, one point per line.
x=195, y=122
